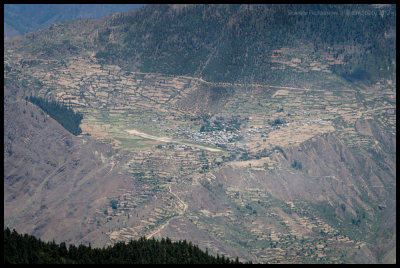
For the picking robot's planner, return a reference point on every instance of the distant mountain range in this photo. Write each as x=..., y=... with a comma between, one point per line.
x=24, y=18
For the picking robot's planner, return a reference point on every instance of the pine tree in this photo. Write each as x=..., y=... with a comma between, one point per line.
x=27, y=249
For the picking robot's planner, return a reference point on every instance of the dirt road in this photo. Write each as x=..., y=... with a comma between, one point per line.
x=166, y=139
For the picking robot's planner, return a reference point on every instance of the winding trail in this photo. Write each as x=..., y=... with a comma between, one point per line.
x=183, y=204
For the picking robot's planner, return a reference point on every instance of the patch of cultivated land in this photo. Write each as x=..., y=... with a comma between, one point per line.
x=151, y=101
x=139, y=113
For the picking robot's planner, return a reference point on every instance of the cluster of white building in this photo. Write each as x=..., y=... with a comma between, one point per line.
x=221, y=137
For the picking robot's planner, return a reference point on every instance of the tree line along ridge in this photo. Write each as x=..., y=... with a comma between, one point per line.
x=64, y=115
x=24, y=248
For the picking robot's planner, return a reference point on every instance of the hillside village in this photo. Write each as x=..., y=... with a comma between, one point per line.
x=204, y=157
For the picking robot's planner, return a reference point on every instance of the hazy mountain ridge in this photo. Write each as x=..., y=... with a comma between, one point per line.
x=23, y=18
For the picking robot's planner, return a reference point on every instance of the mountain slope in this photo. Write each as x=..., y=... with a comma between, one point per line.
x=51, y=177
x=235, y=41
x=225, y=125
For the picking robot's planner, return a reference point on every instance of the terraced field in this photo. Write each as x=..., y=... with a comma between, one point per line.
x=181, y=190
